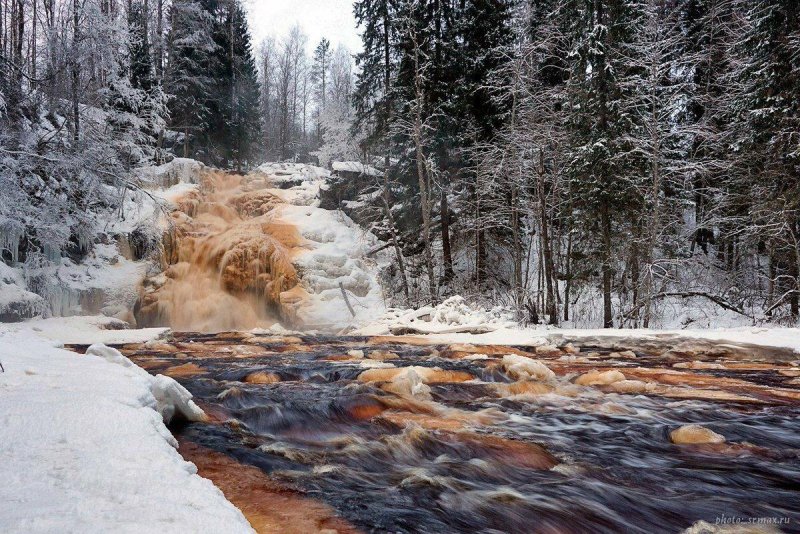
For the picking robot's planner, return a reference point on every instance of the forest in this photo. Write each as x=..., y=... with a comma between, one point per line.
x=586, y=162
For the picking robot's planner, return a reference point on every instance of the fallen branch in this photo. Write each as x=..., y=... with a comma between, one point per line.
x=434, y=228
x=347, y=300
x=780, y=301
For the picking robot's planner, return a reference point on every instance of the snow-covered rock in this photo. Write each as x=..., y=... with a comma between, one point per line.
x=355, y=167
x=332, y=257
x=18, y=304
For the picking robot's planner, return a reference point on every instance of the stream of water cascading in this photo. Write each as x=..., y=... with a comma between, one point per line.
x=229, y=260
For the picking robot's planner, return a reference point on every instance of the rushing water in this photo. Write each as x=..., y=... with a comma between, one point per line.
x=459, y=455
x=228, y=259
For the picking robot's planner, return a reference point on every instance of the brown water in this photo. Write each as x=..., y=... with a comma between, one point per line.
x=442, y=440
x=229, y=260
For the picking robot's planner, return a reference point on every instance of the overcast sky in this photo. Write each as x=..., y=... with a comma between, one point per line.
x=318, y=18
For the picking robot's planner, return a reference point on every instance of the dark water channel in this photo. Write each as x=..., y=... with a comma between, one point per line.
x=464, y=458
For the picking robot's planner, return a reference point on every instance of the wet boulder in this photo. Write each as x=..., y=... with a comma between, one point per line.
x=695, y=435
x=524, y=368
x=598, y=378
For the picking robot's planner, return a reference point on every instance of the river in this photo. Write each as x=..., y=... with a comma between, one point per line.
x=397, y=435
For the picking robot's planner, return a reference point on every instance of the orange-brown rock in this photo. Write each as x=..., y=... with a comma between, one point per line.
x=600, y=378
x=262, y=378
x=694, y=434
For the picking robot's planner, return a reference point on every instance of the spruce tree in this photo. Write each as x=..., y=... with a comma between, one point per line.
x=373, y=98
x=768, y=138
x=603, y=166
x=189, y=78
x=140, y=60
x=243, y=90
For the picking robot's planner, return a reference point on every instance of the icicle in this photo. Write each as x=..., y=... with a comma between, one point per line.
x=52, y=253
x=11, y=234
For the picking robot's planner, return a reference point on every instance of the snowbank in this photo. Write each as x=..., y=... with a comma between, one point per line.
x=453, y=315
x=455, y=322
x=85, y=449
x=82, y=330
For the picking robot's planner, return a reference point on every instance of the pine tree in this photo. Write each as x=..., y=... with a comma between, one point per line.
x=189, y=81
x=603, y=165
x=243, y=90
x=768, y=140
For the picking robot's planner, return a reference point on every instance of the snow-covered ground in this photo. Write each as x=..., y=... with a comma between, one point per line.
x=453, y=321
x=84, y=447
x=81, y=330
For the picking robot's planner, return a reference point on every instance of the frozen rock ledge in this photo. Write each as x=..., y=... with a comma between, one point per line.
x=85, y=447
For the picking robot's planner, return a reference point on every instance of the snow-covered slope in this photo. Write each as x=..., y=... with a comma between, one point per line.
x=84, y=448
x=106, y=281
x=332, y=257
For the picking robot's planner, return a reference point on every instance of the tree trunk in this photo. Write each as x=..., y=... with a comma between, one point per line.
x=160, y=45
x=33, y=40
x=447, y=255
x=516, y=253
x=794, y=271
x=568, y=275
x=422, y=169
x=605, y=223
x=76, y=74
x=547, y=247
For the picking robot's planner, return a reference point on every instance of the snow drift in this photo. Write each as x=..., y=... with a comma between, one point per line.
x=85, y=448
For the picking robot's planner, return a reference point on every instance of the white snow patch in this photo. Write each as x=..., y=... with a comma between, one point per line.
x=355, y=167
x=171, y=398
x=451, y=316
x=332, y=256
x=85, y=450
x=82, y=330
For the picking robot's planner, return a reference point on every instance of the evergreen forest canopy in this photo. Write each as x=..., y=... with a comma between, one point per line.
x=583, y=161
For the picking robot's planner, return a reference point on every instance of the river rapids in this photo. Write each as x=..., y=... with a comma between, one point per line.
x=354, y=434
